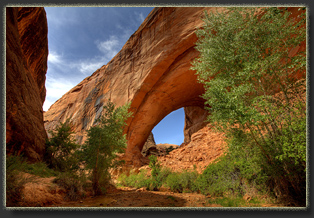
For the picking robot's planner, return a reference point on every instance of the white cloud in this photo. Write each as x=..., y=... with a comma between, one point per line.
x=60, y=16
x=109, y=47
x=90, y=66
x=47, y=104
x=140, y=17
x=56, y=88
x=63, y=75
x=54, y=58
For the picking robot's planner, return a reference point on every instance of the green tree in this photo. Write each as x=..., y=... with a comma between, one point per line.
x=104, y=140
x=60, y=149
x=249, y=75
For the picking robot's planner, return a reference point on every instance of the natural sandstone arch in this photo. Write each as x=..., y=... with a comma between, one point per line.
x=176, y=88
x=152, y=71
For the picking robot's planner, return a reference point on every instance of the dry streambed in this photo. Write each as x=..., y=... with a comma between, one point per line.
x=128, y=197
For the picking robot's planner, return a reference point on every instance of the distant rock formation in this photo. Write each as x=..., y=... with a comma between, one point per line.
x=26, y=67
x=149, y=145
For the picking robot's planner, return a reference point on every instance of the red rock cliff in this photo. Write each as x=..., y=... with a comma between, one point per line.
x=26, y=66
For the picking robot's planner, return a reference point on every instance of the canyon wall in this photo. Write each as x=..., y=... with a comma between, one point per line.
x=152, y=71
x=26, y=66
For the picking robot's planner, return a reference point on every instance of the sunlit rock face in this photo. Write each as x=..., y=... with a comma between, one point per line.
x=152, y=71
x=26, y=67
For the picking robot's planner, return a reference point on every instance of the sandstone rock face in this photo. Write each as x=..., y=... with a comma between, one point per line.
x=26, y=66
x=152, y=71
x=205, y=147
x=195, y=119
x=150, y=143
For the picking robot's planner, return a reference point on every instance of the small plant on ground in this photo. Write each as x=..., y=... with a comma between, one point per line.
x=135, y=180
x=237, y=201
x=158, y=174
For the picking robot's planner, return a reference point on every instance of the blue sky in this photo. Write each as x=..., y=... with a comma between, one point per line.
x=82, y=39
x=170, y=129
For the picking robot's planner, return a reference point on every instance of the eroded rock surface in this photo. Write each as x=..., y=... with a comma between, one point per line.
x=149, y=144
x=205, y=146
x=195, y=119
x=26, y=66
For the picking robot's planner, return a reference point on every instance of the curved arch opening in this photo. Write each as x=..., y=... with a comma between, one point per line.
x=170, y=130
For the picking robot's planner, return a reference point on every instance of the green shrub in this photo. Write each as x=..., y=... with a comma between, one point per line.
x=173, y=182
x=60, y=149
x=40, y=169
x=156, y=169
x=75, y=185
x=219, y=178
x=182, y=182
x=237, y=201
x=15, y=182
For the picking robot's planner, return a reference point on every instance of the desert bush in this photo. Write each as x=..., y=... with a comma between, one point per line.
x=40, y=169
x=135, y=180
x=15, y=182
x=60, y=149
x=75, y=185
x=182, y=181
x=169, y=149
x=219, y=178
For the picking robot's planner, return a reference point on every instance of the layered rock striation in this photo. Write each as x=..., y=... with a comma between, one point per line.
x=26, y=66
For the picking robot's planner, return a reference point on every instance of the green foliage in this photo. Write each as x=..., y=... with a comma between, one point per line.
x=60, y=149
x=182, y=182
x=74, y=184
x=40, y=169
x=135, y=180
x=169, y=149
x=253, y=93
x=104, y=140
x=14, y=181
x=158, y=173
x=235, y=202
x=219, y=178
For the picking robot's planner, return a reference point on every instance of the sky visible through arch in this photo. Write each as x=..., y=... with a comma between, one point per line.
x=82, y=39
